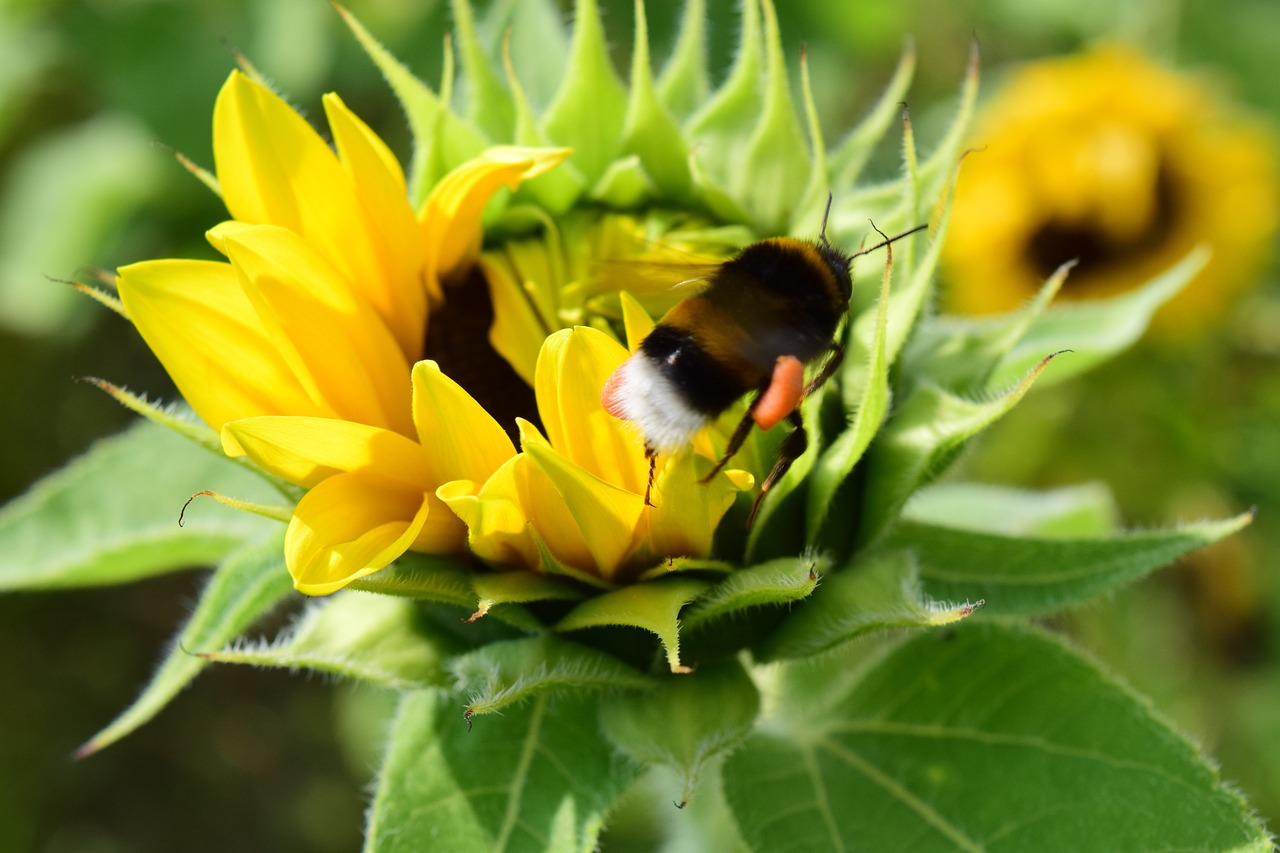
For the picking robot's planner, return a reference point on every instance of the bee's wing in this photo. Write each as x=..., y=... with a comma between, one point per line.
x=642, y=278
x=658, y=285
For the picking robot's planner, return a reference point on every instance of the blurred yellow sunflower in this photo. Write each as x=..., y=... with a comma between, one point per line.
x=1109, y=159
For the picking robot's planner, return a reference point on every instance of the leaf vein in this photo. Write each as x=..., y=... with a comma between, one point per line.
x=897, y=790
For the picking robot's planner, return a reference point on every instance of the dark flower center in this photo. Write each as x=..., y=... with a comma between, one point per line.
x=1096, y=249
x=458, y=340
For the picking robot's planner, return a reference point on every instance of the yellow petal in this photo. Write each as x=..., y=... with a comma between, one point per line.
x=308, y=450
x=273, y=168
x=498, y=528
x=337, y=344
x=459, y=438
x=398, y=295
x=635, y=319
x=686, y=512
x=571, y=372
x=349, y=526
x=605, y=515
x=196, y=319
x=452, y=213
x=517, y=332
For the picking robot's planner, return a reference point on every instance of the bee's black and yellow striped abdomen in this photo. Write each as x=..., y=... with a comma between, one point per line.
x=775, y=298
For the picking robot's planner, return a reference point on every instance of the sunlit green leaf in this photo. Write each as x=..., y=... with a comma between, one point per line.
x=371, y=638
x=1072, y=511
x=650, y=132
x=589, y=108
x=505, y=673
x=961, y=353
x=684, y=721
x=920, y=440
x=1095, y=330
x=538, y=778
x=111, y=515
x=984, y=737
x=246, y=585
x=777, y=582
x=1037, y=575
x=874, y=593
x=653, y=607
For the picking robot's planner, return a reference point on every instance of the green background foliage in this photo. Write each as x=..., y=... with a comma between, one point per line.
x=91, y=97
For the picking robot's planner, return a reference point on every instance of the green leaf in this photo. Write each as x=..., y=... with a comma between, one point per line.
x=874, y=593
x=719, y=131
x=684, y=84
x=371, y=638
x=837, y=461
x=771, y=177
x=1040, y=575
x=1086, y=510
x=111, y=515
x=653, y=606
x=248, y=583
x=504, y=673
x=685, y=721
x=777, y=582
x=961, y=353
x=919, y=441
x=557, y=190
x=539, y=779
x=649, y=131
x=588, y=110
x=852, y=154
x=489, y=104
x=494, y=589
x=985, y=737
x=444, y=580
x=1095, y=330
x=426, y=577
x=624, y=184
x=537, y=37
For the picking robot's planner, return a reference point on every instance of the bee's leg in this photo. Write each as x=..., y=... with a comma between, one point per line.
x=793, y=447
x=740, y=433
x=652, y=456
x=828, y=370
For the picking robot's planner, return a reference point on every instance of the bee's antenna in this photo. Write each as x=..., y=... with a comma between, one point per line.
x=887, y=240
x=822, y=235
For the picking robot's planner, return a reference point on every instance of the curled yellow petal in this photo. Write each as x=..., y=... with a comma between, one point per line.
x=518, y=331
x=605, y=515
x=349, y=526
x=460, y=439
x=308, y=450
x=497, y=525
x=451, y=216
x=193, y=314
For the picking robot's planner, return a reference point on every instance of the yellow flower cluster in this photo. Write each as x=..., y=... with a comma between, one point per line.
x=304, y=348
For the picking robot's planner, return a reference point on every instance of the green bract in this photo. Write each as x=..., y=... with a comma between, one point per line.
x=733, y=683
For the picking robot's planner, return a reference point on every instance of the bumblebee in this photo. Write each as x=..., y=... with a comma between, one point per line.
x=765, y=314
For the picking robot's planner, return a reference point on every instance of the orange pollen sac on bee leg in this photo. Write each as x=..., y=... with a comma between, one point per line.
x=783, y=395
